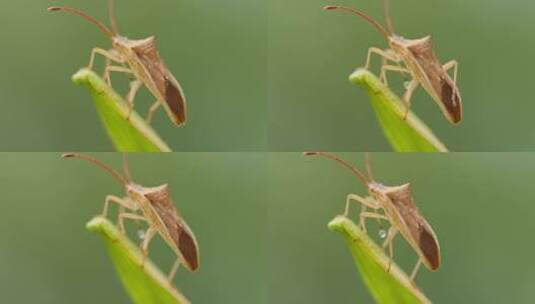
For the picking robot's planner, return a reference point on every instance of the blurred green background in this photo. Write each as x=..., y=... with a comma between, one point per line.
x=47, y=256
x=312, y=52
x=480, y=205
x=217, y=50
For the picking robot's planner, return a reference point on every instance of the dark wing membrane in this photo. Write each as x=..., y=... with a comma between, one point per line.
x=175, y=99
x=179, y=231
x=419, y=229
x=165, y=83
x=440, y=81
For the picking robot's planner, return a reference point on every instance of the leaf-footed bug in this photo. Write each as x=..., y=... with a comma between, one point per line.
x=421, y=63
x=157, y=209
x=144, y=62
x=399, y=210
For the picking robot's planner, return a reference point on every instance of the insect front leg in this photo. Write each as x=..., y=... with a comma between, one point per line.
x=392, y=68
x=130, y=216
x=174, y=269
x=117, y=69
x=366, y=202
x=152, y=109
x=411, y=87
x=124, y=202
x=109, y=55
x=451, y=64
x=385, y=54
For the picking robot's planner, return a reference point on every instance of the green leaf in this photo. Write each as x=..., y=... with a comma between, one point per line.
x=144, y=282
x=128, y=135
x=409, y=135
x=386, y=287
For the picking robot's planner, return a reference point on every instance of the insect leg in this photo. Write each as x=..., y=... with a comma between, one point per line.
x=366, y=202
x=152, y=109
x=413, y=84
x=131, y=216
x=173, y=271
x=416, y=268
x=451, y=64
x=385, y=54
x=113, y=68
x=134, y=87
x=149, y=234
x=124, y=202
x=392, y=232
x=110, y=55
x=393, y=68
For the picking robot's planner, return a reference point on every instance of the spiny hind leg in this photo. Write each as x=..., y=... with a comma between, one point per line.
x=392, y=232
x=134, y=87
x=407, y=97
x=451, y=64
x=174, y=269
x=155, y=106
x=366, y=202
x=415, y=270
x=392, y=68
x=110, y=55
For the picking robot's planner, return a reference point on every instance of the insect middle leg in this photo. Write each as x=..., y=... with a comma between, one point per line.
x=109, y=55
x=413, y=84
x=366, y=202
x=392, y=232
x=134, y=87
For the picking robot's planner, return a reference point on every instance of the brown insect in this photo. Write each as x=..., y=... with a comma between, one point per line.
x=144, y=62
x=157, y=209
x=421, y=64
x=399, y=209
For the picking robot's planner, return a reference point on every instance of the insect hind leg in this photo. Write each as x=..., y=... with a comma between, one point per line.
x=150, y=114
x=407, y=97
x=174, y=270
x=452, y=64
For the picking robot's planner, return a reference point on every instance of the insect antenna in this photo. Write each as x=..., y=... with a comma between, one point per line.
x=388, y=16
x=369, y=165
x=99, y=24
x=113, y=21
x=353, y=169
x=362, y=15
x=126, y=167
x=97, y=162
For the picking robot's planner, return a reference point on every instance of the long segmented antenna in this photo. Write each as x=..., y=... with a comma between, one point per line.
x=369, y=165
x=126, y=167
x=362, y=15
x=352, y=168
x=71, y=10
x=113, y=21
x=388, y=16
x=97, y=162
